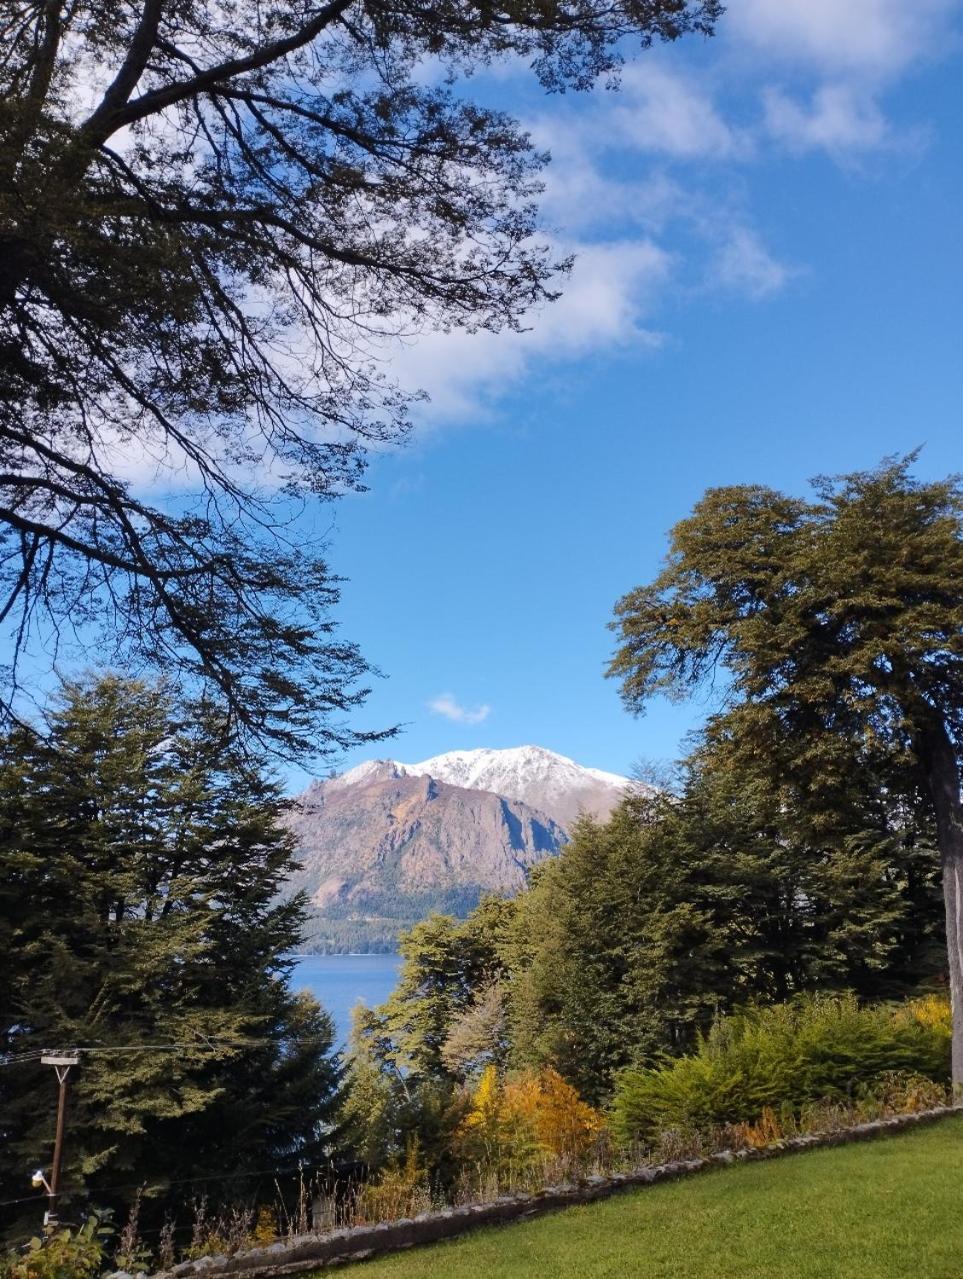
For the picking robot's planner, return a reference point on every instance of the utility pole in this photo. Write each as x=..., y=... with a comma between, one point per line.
x=61, y=1064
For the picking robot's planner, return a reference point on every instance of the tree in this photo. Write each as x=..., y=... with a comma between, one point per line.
x=140, y=872
x=837, y=620
x=621, y=955
x=211, y=221
x=409, y=1057
x=450, y=967
x=683, y=906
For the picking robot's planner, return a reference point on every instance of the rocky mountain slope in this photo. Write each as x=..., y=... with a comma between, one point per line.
x=386, y=843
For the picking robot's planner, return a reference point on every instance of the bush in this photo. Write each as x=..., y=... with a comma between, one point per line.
x=400, y=1191
x=63, y=1254
x=529, y=1123
x=816, y=1048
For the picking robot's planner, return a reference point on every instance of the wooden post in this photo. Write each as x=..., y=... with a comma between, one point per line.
x=61, y=1065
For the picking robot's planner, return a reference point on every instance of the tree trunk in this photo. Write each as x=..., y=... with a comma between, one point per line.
x=943, y=775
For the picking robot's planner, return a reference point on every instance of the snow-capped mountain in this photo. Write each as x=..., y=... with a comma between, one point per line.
x=386, y=843
x=552, y=783
x=539, y=777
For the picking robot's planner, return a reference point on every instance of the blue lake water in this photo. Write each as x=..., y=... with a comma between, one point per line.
x=338, y=982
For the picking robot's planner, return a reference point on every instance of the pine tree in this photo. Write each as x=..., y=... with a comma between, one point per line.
x=141, y=863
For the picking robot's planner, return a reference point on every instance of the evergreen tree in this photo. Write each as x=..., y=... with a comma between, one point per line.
x=141, y=863
x=683, y=905
x=839, y=624
x=448, y=966
x=445, y=1019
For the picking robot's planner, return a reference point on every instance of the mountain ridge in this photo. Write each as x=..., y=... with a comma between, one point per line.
x=386, y=843
x=535, y=775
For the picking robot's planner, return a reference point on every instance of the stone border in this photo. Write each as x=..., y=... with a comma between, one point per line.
x=315, y=1252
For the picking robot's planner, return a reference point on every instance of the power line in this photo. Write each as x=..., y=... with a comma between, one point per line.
x=27, y=1199
x=201, y=1043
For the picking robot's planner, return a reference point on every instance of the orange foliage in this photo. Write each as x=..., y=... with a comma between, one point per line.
x=561, y=1123
x=764, y=1132
x=526, y=1117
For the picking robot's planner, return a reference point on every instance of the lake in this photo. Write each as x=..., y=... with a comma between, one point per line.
x=338, y=982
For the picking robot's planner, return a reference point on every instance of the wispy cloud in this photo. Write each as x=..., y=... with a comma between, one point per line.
x=844, y=120
x=603, y=308
x=648, y=188
x=745, y=265
x=870, y=37
x=668, y=113
x=446, y=704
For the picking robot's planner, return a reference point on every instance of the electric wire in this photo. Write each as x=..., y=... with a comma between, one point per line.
x=201, y=1042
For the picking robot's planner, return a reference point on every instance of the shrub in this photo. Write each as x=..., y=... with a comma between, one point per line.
x=784, y=1057
x=63, y=1254
x=401, y=1190
x=530, y=1122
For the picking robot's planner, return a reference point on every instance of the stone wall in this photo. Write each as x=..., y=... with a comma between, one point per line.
x=314, y=1252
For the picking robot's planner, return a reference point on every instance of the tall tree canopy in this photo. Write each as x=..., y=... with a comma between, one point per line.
x=140, y=872
x=839, y=624
x=687, y=905
x=210, y=219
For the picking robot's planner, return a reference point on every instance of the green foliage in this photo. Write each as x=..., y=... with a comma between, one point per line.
x=622, y=950
x=838, y=623
x=62, y=1254
x=813, y=1049
x=385, y=1108
x=442, y=1024
x=827, y=611
x=682, y=906
x=448, y=965
x=141, y=862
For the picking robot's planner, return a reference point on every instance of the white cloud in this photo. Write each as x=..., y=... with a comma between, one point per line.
x=667, y=113
x=839, y=119
x=869, y=37
x=447, y=705
x=744, y=264
x=602, y=308
x=646, y=188
x=584, y=194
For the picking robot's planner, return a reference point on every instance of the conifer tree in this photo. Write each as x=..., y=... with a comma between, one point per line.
x=838, y=623
x=142, y=864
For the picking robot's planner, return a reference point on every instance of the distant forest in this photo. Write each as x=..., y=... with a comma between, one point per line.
x=326, y=936
x=345, y=931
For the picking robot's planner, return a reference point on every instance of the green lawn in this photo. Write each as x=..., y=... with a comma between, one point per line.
x=887, y=1209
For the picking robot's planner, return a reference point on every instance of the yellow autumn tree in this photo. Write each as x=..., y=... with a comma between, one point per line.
x=529, y=1121
x=563, y=1124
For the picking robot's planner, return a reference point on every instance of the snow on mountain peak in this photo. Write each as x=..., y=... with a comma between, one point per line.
x=371, y=770
x=541, y=778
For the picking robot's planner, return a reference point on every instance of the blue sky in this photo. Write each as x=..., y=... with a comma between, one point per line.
x=768, y=286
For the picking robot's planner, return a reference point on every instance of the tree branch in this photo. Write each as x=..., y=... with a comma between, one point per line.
x=156, y=100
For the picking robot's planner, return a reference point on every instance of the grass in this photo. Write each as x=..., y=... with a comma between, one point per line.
x=886, y=1209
